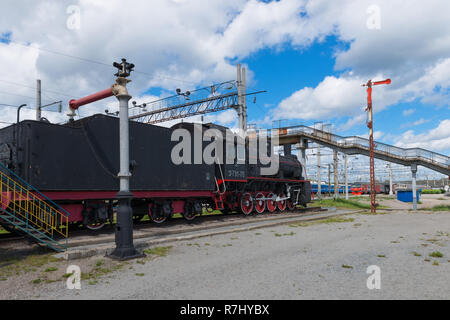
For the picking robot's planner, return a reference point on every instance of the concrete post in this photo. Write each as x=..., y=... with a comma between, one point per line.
x=244, y=100
x=414, y=187
x=346, y=176
x=38, y=100
x=240, y=105
x=319, y=185
x=391, y=191
x=336, y=182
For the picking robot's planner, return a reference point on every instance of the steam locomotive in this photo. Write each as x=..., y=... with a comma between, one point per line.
x=76, y=165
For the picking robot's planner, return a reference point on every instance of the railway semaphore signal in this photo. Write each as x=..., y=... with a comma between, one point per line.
x=369, y=85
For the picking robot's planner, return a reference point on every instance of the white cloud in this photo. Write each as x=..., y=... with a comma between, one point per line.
x=408, y=112
x=437, y=139
x=195, y=41
x=342, y=96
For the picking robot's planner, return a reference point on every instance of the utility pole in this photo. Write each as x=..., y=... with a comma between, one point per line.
x=346, y=176
x=244, y=100
x=319, y=184
x=240, y=106
x=369, y=109
x=391, y=191
x=38, y=100
x=336, y=182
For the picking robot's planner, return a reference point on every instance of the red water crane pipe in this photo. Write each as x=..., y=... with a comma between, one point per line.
x=75, y=104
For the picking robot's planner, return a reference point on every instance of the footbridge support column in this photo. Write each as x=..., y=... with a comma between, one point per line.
x=414, y=186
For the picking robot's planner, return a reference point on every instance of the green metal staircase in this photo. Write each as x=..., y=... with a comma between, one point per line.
x=26, y=211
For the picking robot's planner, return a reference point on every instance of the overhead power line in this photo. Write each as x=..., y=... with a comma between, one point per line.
x=44, y=90
x=7, y=40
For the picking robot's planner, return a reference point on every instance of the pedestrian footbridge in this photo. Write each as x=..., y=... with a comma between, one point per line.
x=356, y=145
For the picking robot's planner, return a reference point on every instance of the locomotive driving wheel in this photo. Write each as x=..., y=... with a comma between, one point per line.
x=155, y=217
x=271, y=203
x=94, y=226
x=290, y=204
x=246, y=203
x=281, y=204
x=260, y=203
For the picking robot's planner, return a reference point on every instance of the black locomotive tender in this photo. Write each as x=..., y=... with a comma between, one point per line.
x=76, y=165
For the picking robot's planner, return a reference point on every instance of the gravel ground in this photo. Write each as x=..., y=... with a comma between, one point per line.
x=318, y=261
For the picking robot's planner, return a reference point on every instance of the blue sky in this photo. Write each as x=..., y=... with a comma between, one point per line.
x=282, y=71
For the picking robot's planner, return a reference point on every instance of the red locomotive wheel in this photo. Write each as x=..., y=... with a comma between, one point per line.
x=281, y=204
x=290, y=205
x=246, y=203
x=271, y=204
x=260, y=203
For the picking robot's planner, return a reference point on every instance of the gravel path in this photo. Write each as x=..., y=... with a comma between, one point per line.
x=319, y=261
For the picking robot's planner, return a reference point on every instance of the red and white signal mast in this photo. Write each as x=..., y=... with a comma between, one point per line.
x=369, y=85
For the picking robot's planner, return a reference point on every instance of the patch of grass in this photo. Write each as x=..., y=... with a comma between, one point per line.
x=416, y=254
x=140, y=274
x=67, y=275
x=432, y=191
x=342, y=203
x=51, y=269
x=36, y=281
x=158, y=251
x=284, y=234
x=227, y=245
x=3, y=279
x=3, y=231
x=436, y=254
x=435, y=263
x=99, y=263
x=31, y=263
x=347, y=266
x=257, y=234
x=92, y=282
x=441, y=207
x=381, y=256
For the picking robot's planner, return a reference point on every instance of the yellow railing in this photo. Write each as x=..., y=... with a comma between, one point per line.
x=32, y=208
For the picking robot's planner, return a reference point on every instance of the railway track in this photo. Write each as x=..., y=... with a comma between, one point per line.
x=199, y=221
